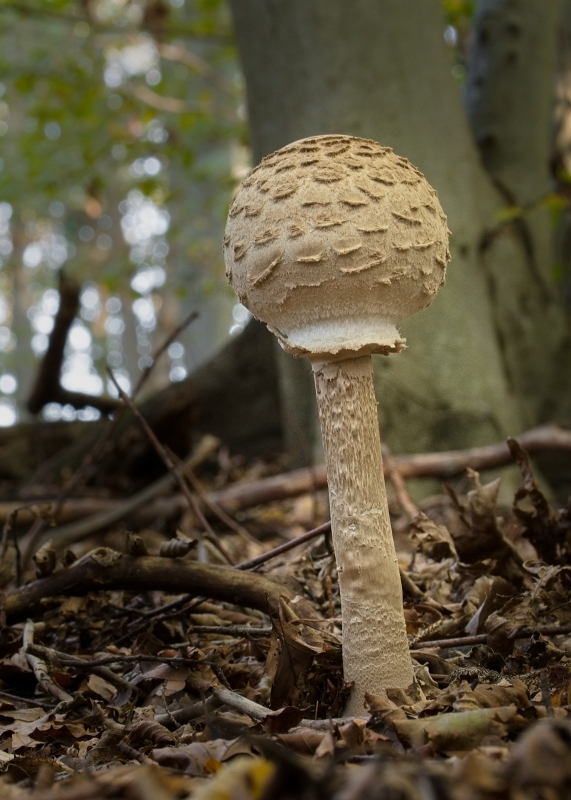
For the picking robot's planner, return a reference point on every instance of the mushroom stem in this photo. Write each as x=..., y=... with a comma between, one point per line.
x=375, y=646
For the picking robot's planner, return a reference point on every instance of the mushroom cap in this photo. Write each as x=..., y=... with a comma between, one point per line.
x=332, y=241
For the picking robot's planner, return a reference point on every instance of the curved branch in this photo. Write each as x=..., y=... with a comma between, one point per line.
x=104, y=568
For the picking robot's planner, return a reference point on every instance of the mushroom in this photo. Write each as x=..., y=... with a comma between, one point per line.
x=332, y=241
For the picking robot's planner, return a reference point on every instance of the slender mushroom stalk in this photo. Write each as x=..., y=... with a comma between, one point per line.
x=332, y=241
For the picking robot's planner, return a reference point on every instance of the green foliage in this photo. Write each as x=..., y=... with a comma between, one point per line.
x=71, y=136
x=459, y=12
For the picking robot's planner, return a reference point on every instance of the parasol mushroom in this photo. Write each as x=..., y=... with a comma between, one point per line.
x=332, y=241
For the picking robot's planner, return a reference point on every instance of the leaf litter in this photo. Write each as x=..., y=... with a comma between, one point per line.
x=119, y=693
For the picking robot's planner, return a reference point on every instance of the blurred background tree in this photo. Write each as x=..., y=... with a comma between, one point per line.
x=122, y=137
x=490, y=357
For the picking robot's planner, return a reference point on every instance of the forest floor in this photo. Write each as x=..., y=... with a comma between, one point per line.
x=176, y=660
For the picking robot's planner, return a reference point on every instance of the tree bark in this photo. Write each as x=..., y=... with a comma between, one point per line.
x=510, y=92
x=510, y=96
x=476, y=370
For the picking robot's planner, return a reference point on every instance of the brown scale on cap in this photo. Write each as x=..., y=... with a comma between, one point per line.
x=339, y=231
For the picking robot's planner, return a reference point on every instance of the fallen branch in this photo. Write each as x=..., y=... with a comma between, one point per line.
x=547, y=438
x=96, y=666
x=482, y=638
x=240, y=631
x=39, y=666
x=103, y=569
x=81, y=529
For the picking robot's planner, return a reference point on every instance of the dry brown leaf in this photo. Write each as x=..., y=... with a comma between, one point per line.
x=102, y=688
x=456, y=731
x=383, y=709
x=194, y=758
x=303, y=741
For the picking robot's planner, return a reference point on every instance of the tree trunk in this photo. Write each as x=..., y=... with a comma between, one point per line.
x=477, y=367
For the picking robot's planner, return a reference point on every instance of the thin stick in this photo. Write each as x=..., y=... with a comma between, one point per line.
x=91, y=458
x=172, y=467
x=214, y=507
x=546, y=692
x=482, y=638
x=164, y=346
x=187, y=714
x=28, y=701
x=39, y=667
x=119, y=658
x=82, y=528
x=283, y=548
x=228, y=630
x=394, y=474
x=460, y=641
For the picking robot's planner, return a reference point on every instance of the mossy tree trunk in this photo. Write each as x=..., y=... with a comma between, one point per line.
x=485, y=360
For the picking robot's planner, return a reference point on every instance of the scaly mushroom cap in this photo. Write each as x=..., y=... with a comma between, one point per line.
x=332, y=241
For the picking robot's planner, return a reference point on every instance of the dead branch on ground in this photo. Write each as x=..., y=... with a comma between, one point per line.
x=104, y=568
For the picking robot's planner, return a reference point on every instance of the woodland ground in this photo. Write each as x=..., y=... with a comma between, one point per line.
x=174, y=660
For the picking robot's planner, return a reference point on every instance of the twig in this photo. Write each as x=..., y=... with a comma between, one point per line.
x=546, y=692
x=30, y=701
x=199, y=65
x=326, y=724
x=134, y=755
x=34, y=536
x=55, y=656
x=118, y=658
x=544, y=630
x=482, y=638
x=174, y=105
x=162, y=348
x=404, y=499
x=409, y=586
x=283, y=548
x=205, y=499
x=174, y=608
x=187, y=714
x=242, y=704
x=170, y=465
x=460, y=641
x=39, y=667
x=228, y=630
